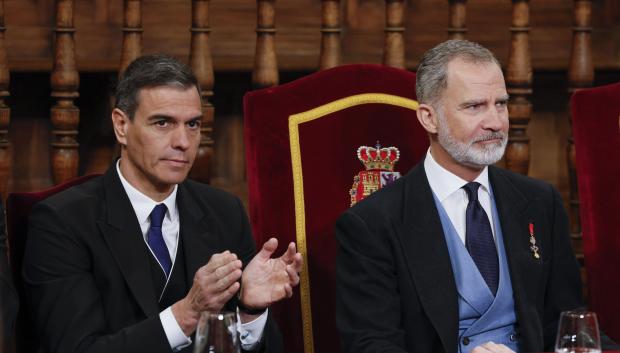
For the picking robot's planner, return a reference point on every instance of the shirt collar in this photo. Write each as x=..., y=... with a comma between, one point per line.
x=143, y=205
x=444, y=183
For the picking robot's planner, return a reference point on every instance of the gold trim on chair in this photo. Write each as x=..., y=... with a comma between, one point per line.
x=298, y=185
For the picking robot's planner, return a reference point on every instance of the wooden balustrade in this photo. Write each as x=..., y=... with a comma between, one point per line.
x=457, y=19
x=394, y=50
x=519, y=82
x=5, y=112
x=201, y=62
x=65, y=81
x=132, y=34
x=580, y=75
x=265, y=72
x=330, y=34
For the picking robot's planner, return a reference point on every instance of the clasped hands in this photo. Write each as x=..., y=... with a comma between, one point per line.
x=265, y=281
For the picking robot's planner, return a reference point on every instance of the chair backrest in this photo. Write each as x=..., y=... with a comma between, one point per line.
x=301, y=143
x=597, y=143
x=18, y=207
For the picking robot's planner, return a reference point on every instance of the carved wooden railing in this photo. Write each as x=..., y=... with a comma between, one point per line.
x=132, y=34
x=394, y=51
x=265, y=72
x=65, y=77
x=201, y=63
x=65, y=81
x=5, y=112
x=330, y=34
x=519, y=82
x=580, y=75
x=457, y=19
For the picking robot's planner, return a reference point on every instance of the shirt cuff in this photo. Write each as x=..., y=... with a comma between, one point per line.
x=251, y=332
x=176, y=337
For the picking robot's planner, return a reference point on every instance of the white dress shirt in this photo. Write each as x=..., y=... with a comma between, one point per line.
x=448, y=188
x=250, y=333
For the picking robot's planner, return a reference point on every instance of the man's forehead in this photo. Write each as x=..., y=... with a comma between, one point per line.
x=171, y=101
x=170, y=87
x=469, y=74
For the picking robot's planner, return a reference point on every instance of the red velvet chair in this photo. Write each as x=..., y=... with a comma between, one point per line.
x=301, y=142
x=18, y=207
x=597, y=143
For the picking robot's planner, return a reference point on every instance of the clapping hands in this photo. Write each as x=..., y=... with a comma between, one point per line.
x=267, y=280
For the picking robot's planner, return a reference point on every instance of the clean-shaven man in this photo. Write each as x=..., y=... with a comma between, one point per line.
x=127, y=261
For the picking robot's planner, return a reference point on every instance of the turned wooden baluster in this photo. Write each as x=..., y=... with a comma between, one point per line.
x=519, y=82
x=200, y=61
x=458, y=12
x=265, y=62
x=5, y=112
x=330, y=35
x=394, y=50
x=580, y=75
x=65, y=81
x=132, y=34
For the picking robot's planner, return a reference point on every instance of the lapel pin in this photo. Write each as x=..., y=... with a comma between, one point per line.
x=533, y=246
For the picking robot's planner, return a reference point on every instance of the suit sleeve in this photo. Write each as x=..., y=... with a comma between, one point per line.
x=65, y=303
x=564, y=286
x=368, y=311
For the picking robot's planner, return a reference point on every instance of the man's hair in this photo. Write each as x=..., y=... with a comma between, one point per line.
x=432, y=74
x=151, y=71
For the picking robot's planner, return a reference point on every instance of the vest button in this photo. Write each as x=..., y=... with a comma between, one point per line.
x=465, y=340
x=513, y=337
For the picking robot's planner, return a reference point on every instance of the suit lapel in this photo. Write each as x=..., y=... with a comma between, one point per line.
x=122, y=233
x=426, y=251
x=199, y=231
x=515, y=214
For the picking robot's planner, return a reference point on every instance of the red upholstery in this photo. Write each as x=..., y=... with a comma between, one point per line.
x=328, y=163
x=597, y=143
x=18, y=207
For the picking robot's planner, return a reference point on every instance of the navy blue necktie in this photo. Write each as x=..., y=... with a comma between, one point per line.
x=155, y=239
x=479, y=238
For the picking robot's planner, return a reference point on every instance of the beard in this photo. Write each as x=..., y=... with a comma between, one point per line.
x=470, y=153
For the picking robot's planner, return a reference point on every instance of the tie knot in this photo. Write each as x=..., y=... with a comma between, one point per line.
x=157, y=215
x=472, y=190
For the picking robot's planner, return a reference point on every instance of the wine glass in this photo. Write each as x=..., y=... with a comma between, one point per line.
x=217, y=333
x=578, y=333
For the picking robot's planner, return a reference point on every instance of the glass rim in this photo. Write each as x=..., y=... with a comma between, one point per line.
x=219, y=315
x=578, y=314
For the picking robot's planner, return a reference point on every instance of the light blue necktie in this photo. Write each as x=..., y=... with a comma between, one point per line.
x=155, y=239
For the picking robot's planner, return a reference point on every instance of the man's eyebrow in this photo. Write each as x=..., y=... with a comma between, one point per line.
x=505, y=98
x=159, y=117
x=471, y=102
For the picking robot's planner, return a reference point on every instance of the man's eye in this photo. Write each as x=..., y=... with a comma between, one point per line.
x=194, y=124
x=501, y=103
x=161, y=123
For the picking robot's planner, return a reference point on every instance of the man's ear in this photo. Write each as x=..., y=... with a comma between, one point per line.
x=120, y=122
x=428, y=118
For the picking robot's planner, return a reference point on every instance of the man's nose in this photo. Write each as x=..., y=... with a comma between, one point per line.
x=494, y=118
x=180, y=138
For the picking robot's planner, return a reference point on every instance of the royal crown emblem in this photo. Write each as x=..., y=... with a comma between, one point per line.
x=379, y=162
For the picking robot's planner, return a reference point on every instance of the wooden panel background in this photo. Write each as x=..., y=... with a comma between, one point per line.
x=166, y=24
x=166, y=29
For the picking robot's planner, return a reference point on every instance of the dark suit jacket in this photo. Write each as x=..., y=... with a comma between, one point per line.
x=395, y=285
x=8, y=296
x=86, y=268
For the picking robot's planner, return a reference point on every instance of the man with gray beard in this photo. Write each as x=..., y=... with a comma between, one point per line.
x=458, y=255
